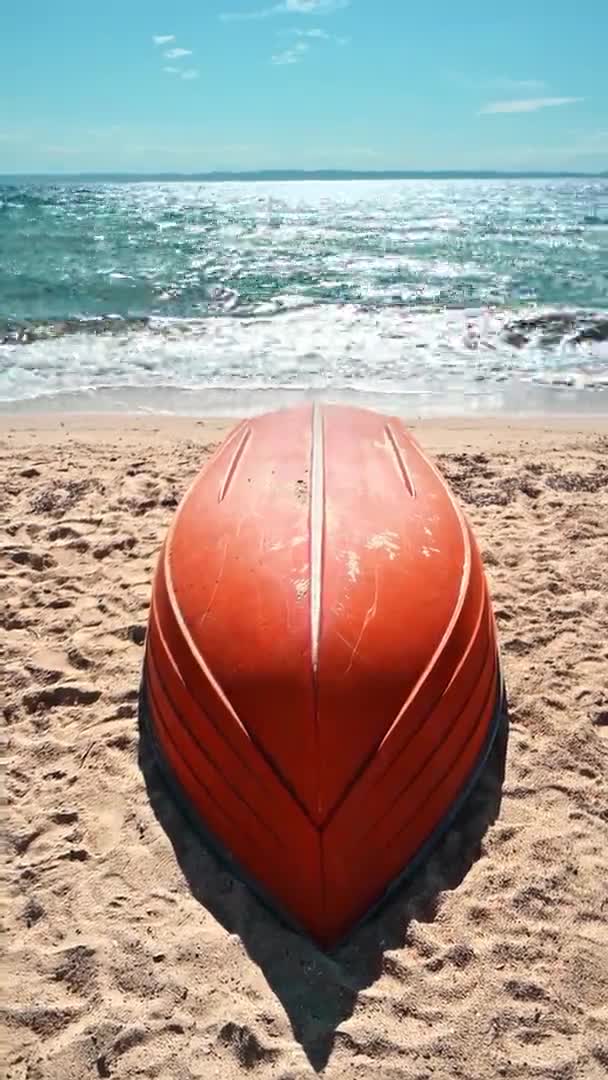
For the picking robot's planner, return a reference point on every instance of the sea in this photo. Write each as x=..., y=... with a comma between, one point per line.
x=429, y=296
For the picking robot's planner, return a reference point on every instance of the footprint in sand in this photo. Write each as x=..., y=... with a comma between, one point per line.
x=245, y=1045
x=111, y=547
x=48, y=664
x=35, y=560
x=63, y=695
x=77, y=968
x=104, y=827
x=88, y=613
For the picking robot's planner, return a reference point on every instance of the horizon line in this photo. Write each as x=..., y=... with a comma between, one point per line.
x=326, y=173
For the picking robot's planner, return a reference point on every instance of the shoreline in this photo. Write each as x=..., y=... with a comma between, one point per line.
x=512, y=400
x=49, y=420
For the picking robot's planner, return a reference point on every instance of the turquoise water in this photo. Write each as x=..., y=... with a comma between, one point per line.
x=385, y=286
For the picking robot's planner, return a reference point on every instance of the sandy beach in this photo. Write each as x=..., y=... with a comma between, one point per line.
x=129, y=951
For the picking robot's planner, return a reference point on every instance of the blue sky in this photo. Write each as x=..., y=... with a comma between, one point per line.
x=191, y=85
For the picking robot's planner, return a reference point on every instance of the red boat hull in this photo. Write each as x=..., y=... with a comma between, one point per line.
x=321, y=674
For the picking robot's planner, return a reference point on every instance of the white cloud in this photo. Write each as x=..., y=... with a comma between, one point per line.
x=528, y=105
x=163, y=39
x=305, y=40
x=288, y=56
x=316, y=33
x=307, y=7
x=184, y=73
x=176, y=54
x=495, y=82
x=293, y=55
x=288, y=7
x=516, y=84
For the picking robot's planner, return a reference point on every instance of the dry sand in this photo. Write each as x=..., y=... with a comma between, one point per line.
x=130, y=952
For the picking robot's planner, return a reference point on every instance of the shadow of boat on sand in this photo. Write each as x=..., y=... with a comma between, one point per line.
x=317, y=990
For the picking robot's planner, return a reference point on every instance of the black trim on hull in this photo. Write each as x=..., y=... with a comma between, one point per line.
x=499, y=720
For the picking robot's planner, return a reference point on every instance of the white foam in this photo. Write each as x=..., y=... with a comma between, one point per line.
x=294, y=345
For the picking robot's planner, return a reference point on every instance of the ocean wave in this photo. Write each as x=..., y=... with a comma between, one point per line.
x=546, y=328
x=403, y=286
x=394, y=349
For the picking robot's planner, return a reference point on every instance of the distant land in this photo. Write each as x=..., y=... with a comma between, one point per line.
x=299, y=174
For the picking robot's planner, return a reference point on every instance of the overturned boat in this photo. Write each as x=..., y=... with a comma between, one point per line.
x=321, y=677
